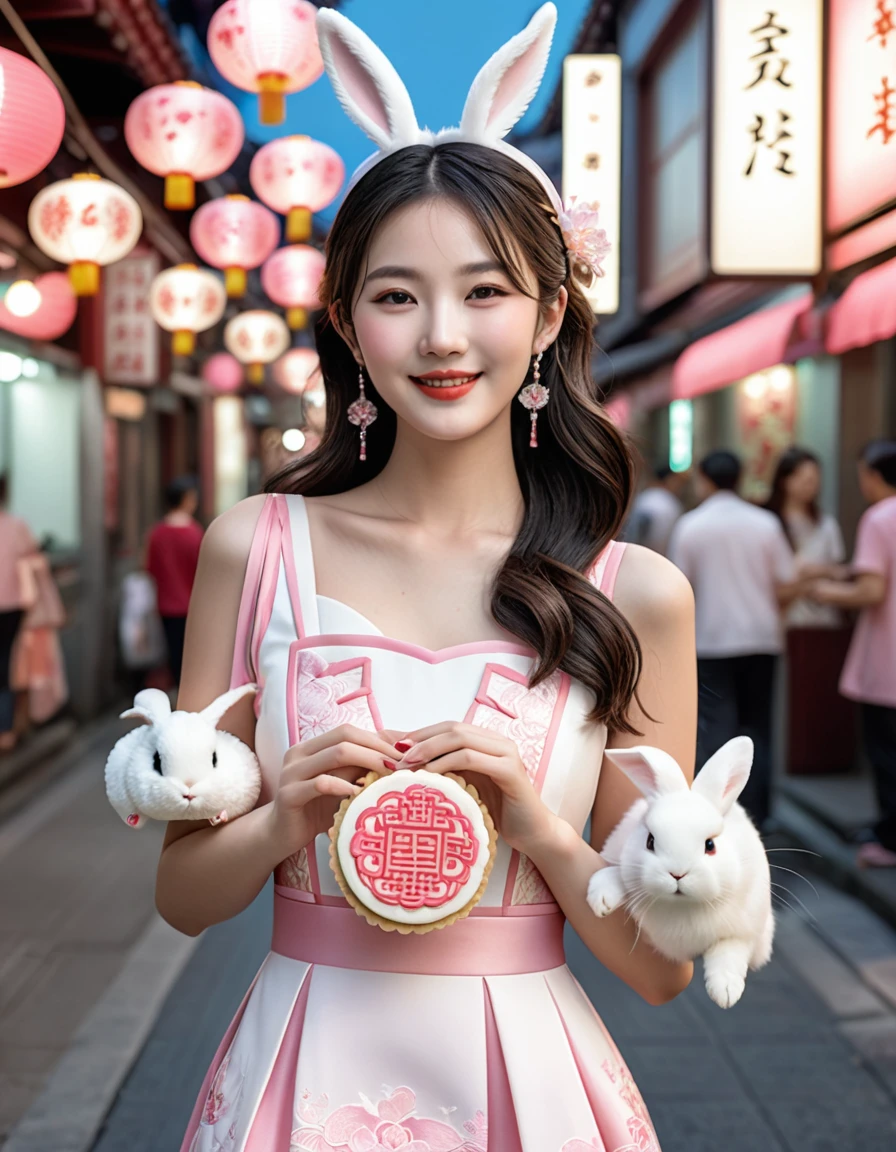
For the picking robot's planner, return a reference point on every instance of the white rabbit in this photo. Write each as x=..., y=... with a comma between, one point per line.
x=690, y=866
x=180, y=766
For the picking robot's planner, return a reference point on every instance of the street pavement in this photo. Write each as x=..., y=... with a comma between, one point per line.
x=108, y=1018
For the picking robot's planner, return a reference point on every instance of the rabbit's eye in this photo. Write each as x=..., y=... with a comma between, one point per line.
x=157, y=762
x=214, y=759
x=650, y=842
x=710, y=847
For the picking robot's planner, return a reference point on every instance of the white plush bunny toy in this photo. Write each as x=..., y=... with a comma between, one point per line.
x=180, y=766
x=690, y=866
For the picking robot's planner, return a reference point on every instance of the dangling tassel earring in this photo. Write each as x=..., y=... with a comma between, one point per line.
x=533, y=397
x=362, y=412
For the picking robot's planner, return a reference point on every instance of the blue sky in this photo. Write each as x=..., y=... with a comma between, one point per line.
x=437, y=47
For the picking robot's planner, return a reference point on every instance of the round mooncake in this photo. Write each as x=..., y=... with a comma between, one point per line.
x=412, y=850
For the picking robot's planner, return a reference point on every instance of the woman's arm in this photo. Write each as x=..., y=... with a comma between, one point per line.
x=866, y=591
x=657, y=601
x=206, y=874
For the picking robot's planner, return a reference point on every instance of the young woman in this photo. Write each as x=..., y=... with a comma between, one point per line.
x=464, y=587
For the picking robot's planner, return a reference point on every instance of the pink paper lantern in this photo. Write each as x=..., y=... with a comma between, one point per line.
x=223, y=373
x=291, y=278
x=32, y=119
x=54, y=315
x=185, y=300
x=296, y=176
x=85, y=222
x=185, y=133
x=266, y=46
x=256, y=338
x=294, y=369
x=234, y=233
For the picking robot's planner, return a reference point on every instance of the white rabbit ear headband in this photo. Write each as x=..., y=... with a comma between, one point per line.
x=373, y=95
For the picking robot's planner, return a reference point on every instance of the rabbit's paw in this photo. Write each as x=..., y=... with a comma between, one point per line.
x=605, y=891
x=725, y=988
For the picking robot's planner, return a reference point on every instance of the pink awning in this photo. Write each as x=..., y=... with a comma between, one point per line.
x=756, y=342
x=865, y=313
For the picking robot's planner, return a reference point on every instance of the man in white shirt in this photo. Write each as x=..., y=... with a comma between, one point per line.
x=743, y=573
x=656, y=510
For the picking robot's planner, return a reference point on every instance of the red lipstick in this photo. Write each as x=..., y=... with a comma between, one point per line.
x=441, y=387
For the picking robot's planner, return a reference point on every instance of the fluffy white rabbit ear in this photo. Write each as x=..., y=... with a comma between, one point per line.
x=653, y=771
x=365, y=83
x=151, y=705
x=506, y=84
x=722, y=778
x=214, y=711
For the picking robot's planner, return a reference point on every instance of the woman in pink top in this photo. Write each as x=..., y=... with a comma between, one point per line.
x=16, y=542
x=869, y=674
x=453, y=598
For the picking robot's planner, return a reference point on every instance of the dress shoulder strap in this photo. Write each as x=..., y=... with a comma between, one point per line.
x=606, y=568
x=271, y=554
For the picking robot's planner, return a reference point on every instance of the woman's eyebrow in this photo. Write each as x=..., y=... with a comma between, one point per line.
x=398, y=272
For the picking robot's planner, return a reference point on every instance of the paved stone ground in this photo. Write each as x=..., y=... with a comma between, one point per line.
x=806, y=1062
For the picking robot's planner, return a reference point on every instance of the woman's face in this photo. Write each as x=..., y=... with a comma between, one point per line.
x=442, y=332
x=804, y=483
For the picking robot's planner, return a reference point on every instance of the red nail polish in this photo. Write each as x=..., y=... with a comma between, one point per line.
x=404, y=745
x=390, y=764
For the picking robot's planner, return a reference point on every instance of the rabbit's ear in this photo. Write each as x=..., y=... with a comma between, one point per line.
x=365, y=83
x=722, y=778
x=653, y=771
x=217, y=708
x=506, y=84
x=151, y=705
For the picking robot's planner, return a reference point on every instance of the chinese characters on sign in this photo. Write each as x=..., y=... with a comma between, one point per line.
x=131, y=336
x=592, y=156
x=861, y=110
x=766, y=161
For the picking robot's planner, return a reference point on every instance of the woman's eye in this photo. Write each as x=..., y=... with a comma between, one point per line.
x=390, y=298
x=493, y=292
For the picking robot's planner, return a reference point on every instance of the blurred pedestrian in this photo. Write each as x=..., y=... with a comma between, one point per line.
x=656, y=510
x=820, y=722
x=743, y=573
x=172, y=554
x=869, y=674
x=16, y=546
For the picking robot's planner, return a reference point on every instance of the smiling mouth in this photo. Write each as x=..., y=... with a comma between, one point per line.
x=449, y=388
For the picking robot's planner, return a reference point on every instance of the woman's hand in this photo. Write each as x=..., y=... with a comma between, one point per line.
x=315, y=778
x=492, y=764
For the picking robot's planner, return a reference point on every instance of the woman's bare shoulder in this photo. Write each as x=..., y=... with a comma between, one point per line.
x=650, y=591
x=228, y=539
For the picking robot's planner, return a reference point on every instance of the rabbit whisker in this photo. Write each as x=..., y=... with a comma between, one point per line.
x=790, y=892
x=807, y=851
x=799, y=874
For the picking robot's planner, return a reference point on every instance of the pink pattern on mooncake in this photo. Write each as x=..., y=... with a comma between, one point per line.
x=415, y=848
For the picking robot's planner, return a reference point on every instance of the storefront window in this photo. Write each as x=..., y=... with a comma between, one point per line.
x=674, y=100
x=40, y=412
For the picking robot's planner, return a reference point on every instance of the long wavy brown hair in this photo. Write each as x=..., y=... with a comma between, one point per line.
x=576, y=486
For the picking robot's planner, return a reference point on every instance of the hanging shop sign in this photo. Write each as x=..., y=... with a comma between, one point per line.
x=131, y=336
x=592, y=156
x=861, y=165
x=766, y=139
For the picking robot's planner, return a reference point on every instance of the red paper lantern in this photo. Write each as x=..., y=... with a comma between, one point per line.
x=223, y=373
x=185, y=300
x=296, y=176
x=85, y=222
x=234, y=233
x=256, y=338
x=291, y=278
x=266, y=46
x=185, y=133
x=54, y=315
x=294, y=369
x=32, y=119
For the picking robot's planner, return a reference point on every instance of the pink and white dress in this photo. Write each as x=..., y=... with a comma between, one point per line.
x=472, y=1038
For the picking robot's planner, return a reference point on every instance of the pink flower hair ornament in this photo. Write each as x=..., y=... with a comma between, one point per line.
x=586, y=244
x=374, y=96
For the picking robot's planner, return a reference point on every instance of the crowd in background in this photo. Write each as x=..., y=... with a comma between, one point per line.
x=773, y=580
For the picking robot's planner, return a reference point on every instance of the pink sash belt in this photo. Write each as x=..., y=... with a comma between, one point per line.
x=475, y=946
